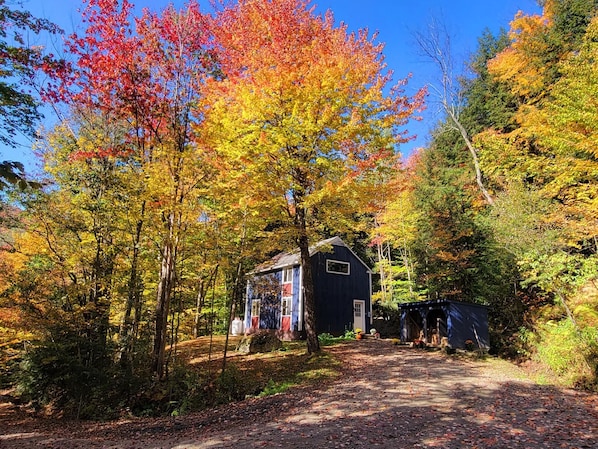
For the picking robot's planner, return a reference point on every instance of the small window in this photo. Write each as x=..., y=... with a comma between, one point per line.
x=286, y=306
x=255, y=307
x=287, y=275
x=357, y=310
x=337, y=267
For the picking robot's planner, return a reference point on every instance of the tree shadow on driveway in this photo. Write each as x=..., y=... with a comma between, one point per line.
x=387, y=397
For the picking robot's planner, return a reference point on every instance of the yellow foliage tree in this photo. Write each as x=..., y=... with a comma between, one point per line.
x=301, y=115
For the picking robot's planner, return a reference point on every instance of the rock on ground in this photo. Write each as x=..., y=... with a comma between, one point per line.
x=259, y=342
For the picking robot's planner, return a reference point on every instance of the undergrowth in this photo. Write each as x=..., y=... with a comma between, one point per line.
x=569, y=354
x=327, y=339
x=60, y=381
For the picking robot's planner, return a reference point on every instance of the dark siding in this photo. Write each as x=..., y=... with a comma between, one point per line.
x=464, y=318
x=270, y=313
x=461, y=319
x=334, y=293
x=247, y=321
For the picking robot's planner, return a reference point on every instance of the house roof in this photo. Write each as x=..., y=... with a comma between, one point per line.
x=283, y=260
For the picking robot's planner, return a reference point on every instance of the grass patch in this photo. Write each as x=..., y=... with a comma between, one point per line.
x=315, y=369
x=252, y=375
x=273, y=388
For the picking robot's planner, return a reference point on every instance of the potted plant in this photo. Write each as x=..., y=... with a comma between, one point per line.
x=358, y=333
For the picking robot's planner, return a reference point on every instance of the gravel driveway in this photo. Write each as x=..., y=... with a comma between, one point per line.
x=388, y=397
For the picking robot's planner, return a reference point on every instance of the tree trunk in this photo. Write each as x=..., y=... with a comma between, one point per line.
x=98, y=316
x=231, y=310
x=127, y=331
x=199, y=302
x=437, y=46
x=382, y=270
x=164, y=296
x=474, y=155
x=561, y=297
x=409, y=269
x=313, y=345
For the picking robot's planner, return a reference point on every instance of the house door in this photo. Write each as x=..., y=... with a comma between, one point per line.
x=255, y=313
x=285, y=319
x=359, y=314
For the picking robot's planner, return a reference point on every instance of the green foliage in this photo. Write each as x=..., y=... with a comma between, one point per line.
x=398, y=285
x=20, y=61
x=489, y=103
x=182, y=391
x=12, y=174
x=233, y=385
x=10, y=359
x=449, y=245
x=326, y=339
x=570, y=21
x=570, y=353
x=349, y=334
x=273, y=388
x=524, y=341
x=69, y=372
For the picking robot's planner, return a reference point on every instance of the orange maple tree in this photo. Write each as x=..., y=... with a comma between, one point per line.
x=304, y=111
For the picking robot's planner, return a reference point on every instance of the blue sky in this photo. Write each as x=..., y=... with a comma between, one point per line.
x=394, y=20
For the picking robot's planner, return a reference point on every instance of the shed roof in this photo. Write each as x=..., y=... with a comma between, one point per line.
x=284, y=260
x=437, y=302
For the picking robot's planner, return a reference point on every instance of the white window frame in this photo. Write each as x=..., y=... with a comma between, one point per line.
x=256, y=304
x=287, y=278
x=340, y=262
x=357, y=307
x=289, y=302
x=287, y=275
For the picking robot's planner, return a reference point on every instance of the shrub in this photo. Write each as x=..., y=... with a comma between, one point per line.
x=231, y=385
x=327, y=339
x=70, y=372
x=349, y=335
x=568, y=352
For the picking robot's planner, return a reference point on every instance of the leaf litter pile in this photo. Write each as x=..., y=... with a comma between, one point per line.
x=385, y=396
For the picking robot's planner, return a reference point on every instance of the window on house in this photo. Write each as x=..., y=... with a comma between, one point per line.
x=287, y=282
x=287, y=275
x=357, y=309
x=337, y=267
x=255, y=307
x=286, y=305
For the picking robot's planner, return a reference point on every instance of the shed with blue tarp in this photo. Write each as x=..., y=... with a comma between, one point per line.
x=435, y=320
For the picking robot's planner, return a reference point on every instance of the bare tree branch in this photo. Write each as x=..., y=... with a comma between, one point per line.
x=436, y=46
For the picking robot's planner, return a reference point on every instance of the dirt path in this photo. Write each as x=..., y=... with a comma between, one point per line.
x=388, y=397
